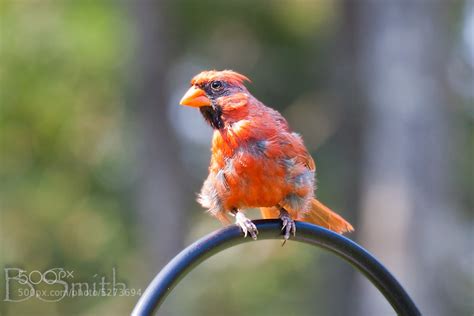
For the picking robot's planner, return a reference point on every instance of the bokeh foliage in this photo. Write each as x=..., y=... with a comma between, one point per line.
x=63, y=144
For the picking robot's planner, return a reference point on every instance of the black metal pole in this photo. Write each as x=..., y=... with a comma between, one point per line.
x=229, y=236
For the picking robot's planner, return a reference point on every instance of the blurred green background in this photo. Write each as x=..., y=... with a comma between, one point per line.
x=99, y=166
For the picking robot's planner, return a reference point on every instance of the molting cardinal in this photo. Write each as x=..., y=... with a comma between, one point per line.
x=257, y=161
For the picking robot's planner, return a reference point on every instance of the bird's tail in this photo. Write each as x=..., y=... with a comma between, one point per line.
x=318, y=214
x=321, y=215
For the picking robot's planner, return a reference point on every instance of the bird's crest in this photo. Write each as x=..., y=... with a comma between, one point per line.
x=229, y=76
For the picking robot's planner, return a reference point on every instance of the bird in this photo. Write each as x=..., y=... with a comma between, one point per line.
x=257, y=161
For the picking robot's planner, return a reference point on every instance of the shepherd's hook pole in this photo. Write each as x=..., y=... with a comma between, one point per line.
x=311, y=234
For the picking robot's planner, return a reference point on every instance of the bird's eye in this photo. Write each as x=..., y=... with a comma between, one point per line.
x=216, y=85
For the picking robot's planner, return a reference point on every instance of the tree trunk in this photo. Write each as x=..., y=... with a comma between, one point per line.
x=160, y=190
x=406, y=201
x=348, y=143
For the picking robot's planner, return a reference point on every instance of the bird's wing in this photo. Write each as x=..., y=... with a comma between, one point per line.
x=309, y=161
x=302, y=154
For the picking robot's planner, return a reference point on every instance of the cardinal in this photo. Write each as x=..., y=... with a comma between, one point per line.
x=257, y=161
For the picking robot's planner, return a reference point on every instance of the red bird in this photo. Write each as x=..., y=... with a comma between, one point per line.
x=257, y=161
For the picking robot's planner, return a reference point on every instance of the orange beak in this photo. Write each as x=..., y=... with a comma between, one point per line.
x=195, y=97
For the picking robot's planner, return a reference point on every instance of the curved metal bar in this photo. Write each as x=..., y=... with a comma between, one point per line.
x=231, y=235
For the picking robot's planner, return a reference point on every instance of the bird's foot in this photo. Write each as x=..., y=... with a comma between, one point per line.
x=288, y=224
x=245, y=224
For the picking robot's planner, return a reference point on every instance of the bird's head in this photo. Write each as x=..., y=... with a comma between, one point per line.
x=216, y=92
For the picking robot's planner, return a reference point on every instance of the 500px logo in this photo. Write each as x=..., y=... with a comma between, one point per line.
x=55, y=284
x=26, y=283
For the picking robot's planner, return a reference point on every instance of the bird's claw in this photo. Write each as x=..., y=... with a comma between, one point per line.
x=247, y=226
x=288, y=225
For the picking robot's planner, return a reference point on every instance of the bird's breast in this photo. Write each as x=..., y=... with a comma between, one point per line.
x=253, y=174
